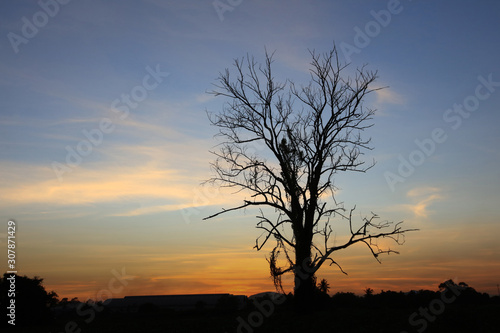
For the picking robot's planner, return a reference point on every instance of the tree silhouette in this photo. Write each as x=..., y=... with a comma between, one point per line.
x=310, y=133
x=32, y=301
x=323, y=286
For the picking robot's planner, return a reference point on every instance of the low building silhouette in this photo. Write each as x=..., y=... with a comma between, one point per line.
x=174, y=302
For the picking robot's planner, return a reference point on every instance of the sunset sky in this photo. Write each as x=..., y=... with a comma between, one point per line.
x=124, y=83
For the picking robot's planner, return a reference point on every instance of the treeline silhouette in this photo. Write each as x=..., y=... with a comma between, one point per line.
x=463, y=292
x=31, y=303
x=452, y=306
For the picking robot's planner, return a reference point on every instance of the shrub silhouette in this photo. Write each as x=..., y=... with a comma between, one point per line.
x=32, y=301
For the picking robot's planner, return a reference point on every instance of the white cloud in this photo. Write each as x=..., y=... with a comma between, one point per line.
x=388, y=96
x=423, y=197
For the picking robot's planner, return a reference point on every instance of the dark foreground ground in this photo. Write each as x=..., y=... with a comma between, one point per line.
x=393, y=312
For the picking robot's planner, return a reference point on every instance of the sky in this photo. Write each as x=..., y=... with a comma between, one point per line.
x=105, y=140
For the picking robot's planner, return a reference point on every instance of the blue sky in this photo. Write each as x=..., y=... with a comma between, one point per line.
x=134, y=200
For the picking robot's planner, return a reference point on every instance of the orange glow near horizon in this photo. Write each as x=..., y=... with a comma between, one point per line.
x=247, y=275
x=84, y=259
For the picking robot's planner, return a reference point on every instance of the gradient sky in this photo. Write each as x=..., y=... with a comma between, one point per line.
x=134, y=203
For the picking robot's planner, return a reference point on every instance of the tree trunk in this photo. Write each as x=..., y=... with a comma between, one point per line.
x=304, y=276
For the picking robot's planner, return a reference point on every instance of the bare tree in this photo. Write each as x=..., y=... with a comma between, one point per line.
x=309, y=133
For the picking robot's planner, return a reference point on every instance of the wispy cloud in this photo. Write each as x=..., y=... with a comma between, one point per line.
x=423, y=198
x=388, y=96
x=149, y=174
